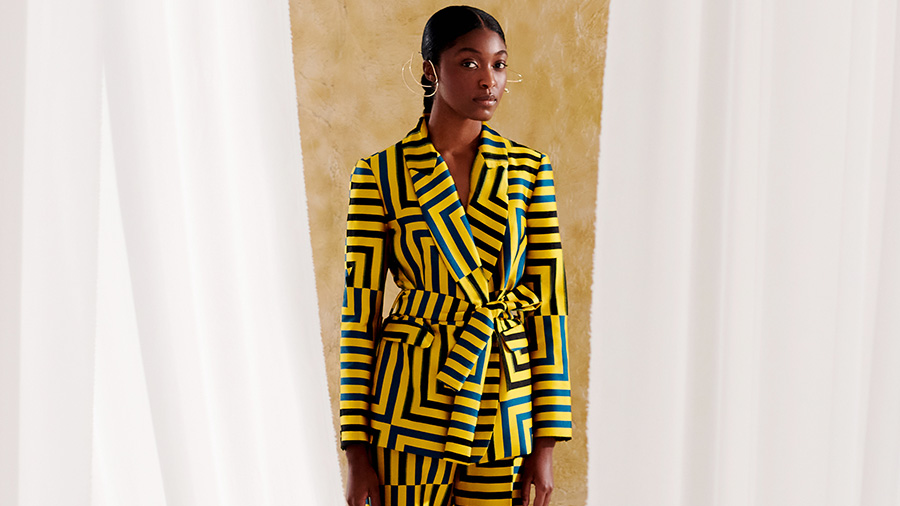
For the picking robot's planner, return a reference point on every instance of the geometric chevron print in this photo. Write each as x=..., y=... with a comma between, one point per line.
x=472, y=362
x=407, y=479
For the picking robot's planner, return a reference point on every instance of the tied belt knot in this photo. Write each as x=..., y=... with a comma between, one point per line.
x=481, y=322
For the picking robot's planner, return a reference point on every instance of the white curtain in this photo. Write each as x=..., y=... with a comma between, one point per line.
x=746, y=311
x=159, y=340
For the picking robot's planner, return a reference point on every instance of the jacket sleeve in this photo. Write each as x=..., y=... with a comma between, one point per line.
x=546, y=326
x=365, y=250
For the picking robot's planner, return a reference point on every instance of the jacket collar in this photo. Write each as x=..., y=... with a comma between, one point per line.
x=471, y=241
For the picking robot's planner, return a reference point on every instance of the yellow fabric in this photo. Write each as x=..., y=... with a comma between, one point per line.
x=408, y=479
x=492, y=272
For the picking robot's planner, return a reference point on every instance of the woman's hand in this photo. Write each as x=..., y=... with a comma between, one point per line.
x=362, y=481
x=537, y=469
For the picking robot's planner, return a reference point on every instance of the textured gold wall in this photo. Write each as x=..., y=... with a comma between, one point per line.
x=347, y=60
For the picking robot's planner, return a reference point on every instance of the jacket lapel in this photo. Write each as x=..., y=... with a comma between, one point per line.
x=444, y=214
x=488, y=209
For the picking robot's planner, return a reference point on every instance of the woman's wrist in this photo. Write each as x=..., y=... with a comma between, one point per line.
x=544, y=443
x=357, y=453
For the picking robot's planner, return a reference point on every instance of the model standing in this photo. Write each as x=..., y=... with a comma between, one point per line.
x=460, y=394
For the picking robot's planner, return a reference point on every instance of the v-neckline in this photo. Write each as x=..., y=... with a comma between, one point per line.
x=475, y=168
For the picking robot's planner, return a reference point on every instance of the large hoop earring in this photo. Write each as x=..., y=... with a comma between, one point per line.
x=408, y=67
x=519, y=80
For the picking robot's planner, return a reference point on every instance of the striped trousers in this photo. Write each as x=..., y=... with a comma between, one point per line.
x=416, y=480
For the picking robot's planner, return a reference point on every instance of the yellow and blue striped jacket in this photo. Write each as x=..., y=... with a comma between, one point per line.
x=487, y=275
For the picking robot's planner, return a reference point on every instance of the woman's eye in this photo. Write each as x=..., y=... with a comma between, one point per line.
x=500, y=65
x=470, y=64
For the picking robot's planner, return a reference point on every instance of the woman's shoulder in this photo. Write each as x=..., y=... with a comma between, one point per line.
x=415, y=138
x=517, y=153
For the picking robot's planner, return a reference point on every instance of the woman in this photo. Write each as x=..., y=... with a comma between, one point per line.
x=460, y=394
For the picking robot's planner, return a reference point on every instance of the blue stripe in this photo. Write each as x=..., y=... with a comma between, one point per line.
x=521, y=181
x=418, y=434
x=457, y=236
x=417, y=236
x=356, y=349
x=555, y=408
x=515, y=402
x=537, y=378
x=469, y=395
x=489, y=142
x=466, y=411
x=455, y=375
x=435, y=182
x=474, y=348
x=552, y=392
x=385, y=186
x=456, y=424
x=520, y=426
x=462, y=360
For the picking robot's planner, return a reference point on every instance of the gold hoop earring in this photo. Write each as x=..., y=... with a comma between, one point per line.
x=519, y=80
x=408, y=67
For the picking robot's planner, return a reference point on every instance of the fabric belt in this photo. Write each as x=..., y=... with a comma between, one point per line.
x=480, y=322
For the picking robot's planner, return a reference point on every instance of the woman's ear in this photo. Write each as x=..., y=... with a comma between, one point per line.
x=429, y=71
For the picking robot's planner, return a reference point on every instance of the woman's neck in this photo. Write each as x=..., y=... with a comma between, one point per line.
x=451, y=133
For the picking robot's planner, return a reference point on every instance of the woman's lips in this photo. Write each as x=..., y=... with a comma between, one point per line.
x=486, y=100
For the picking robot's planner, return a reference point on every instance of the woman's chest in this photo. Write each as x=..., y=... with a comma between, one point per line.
x=435, y=240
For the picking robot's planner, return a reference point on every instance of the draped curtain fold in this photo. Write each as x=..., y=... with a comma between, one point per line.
x=746, y=311
x=159, y=343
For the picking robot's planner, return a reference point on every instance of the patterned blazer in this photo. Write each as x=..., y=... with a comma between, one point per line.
x=489, y=276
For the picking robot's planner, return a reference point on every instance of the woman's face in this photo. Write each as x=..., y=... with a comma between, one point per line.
x=471, y=75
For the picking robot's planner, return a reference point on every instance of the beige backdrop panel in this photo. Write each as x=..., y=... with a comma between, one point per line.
x=347, y=59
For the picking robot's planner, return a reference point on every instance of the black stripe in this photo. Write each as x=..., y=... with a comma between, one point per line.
x=491, y=479
x=378, y=234
x=416, y=142
x=472, y=494
x=544, y=245
x=361, y=201
x=535, y=215
x=419, y=157
x=542, y=230
x=529, y=156
x=531, y=170
x=355, y=412
x=354, y=427
x=365, y=217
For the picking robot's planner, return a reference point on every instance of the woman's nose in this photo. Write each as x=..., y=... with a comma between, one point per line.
x=487, y=79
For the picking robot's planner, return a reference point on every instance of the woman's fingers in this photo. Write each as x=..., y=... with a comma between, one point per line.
x=362, y=480
x=542, y=494
x=375, y=495
x=537, y=470
x=357, y=496
x=526, y=486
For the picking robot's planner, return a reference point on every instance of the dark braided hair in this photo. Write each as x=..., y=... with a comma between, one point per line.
x=442, y=30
